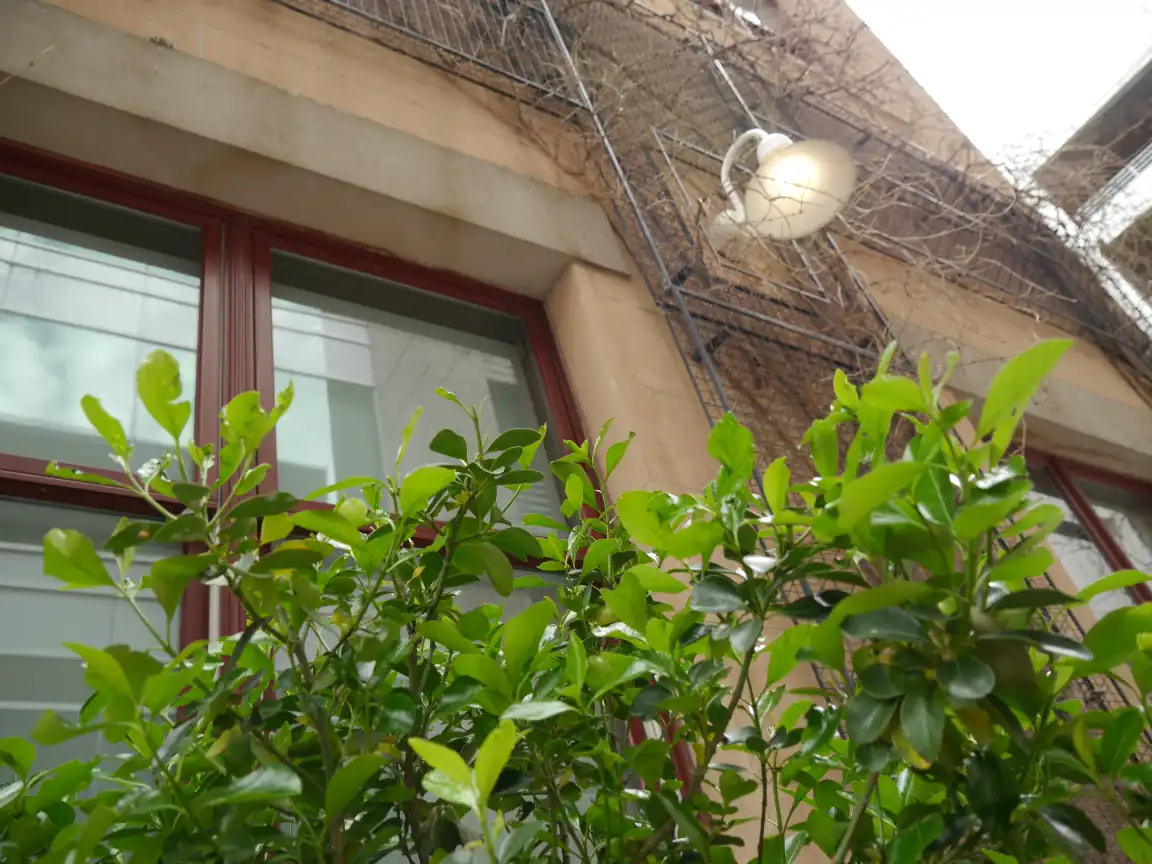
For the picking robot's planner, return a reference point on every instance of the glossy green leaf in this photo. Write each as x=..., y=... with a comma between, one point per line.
x=442, y=759
x=628, y=601
x=1015, y=383
x=608, y=670
x=844, y=389
x=70, y=557
x=615, y=454
x=1120, y=739
x=893, y=393
x=688, y=825
x=518, y=543
x=251, y=480
x=349, y=779
x=479, y=558
x=18, y=754
x=777, y=478
x=485, y=670
x=460, y=693
x=158, y=385
x=264, y=505
x=522, y=635
x=968, y=677
x=169, y=578
x=1136, y=843
x=107, y=426
x=493, y=756
x=1032, y=598
x=908, y=846
x=531, y=711
x=890, y=623
x=515, y=438
x=877, y=681
x=716, y=594
x=445, y=632
x=922, y=721
x=1117, y=581
x=105, y=666
x=697, y=539
x=419, y=487
x=267, y=783
x=746, y=635
x=1049, y=643
x=1073, y=827
x=55, y=469
x=448, y=443
x=657, y=581
x=864, y=494
x=1015, y=568
x=285, y=559
x=733, y=446
x=866, y=717
x=332, y=525
x=981, y=516
x=641, y=522
x=576, y=662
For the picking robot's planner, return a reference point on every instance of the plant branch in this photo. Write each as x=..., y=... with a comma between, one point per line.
x=857, y=815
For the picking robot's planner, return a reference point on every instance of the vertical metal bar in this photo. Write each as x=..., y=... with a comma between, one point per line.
x=602, y=135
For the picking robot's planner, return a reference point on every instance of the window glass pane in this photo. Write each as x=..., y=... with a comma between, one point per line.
x=87, y=291
x=1127, y=516
x=36, y=671
x=1075, y=549
x=361, y=370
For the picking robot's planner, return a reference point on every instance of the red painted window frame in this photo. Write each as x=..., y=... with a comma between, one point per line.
x=235, y=350
x=1064, y=472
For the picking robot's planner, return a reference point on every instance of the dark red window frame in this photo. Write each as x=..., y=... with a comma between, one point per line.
x=235, y=345
x=1064, y=473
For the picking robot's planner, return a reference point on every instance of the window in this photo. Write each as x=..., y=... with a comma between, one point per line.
x=97, y=271
x=1107, y=526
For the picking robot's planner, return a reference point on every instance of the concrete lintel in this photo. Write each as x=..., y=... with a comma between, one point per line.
x=467, y=204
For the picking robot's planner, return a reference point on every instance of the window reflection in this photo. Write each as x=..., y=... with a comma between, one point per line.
x=1075, y=549
x=361, y=371
x=1128, y=518
x=81, y=305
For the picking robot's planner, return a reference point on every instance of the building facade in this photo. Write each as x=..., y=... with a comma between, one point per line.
x=374, y=198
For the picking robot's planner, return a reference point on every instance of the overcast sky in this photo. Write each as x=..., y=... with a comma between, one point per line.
x=1015, y=75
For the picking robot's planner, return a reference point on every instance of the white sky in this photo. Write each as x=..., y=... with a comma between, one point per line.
x=1015, y=74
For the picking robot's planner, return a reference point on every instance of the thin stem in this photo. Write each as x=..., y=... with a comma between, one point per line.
x=857, y=815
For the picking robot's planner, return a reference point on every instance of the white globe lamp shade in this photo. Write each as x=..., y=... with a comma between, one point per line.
x=798, y=188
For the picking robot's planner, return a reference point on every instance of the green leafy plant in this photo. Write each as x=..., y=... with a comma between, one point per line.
x=652, y=707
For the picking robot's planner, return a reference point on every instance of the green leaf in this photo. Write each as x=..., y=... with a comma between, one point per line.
x=450, y=789
x=657, y=581
x=485, y=670
x=1015, y=568
x=1049, y=643
x=406, y=437
x=716, y=594
x=1136, y=843
x=55, y=469
x=576, y=662
x=287, y=559
x=629, y=602
x=734, y=787
x=1120, y=739
x=493, y=562
x=70, y=557
x=332, y=525
x=573, y=493
x=99, y=820
x=1046, y=518
x=1113, y=639
x=699, y=538
x=968, y=677
x=892, y=594
x=865, y=494
x=347, y=782
x=252, y=478
x=103, y=665
x=518, y=543
x=10, y=792
x=169, y=579
x=493, y=756
x=447, y=761
x=891, y=623
x=922, y=721
x=1073, y=828
x=267, y=783
x=908, y=846
x=264, y=505
x=733, y=446
x=522, y=635
x=536, y=710
x=615, y=454
x=981, y=516
x=340, y=486
x=776, y=481
x=419, y=486
x=1014, y=385
x=51, y=729
x=608, y=670
x=893, y=393
x=460, y=693
x=158, y=385
x=743, y=637
x=867, y=717
x=450, y=444
x=515, y=438
x=688, y=824
x=877, y=681
x=1117, y=581
x=640, y=521
x=107, y=426
x=399, y=713
x=18, y=754
x=522, y=477
x=844, y=390
x=445, y=632
x=1032, y=598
